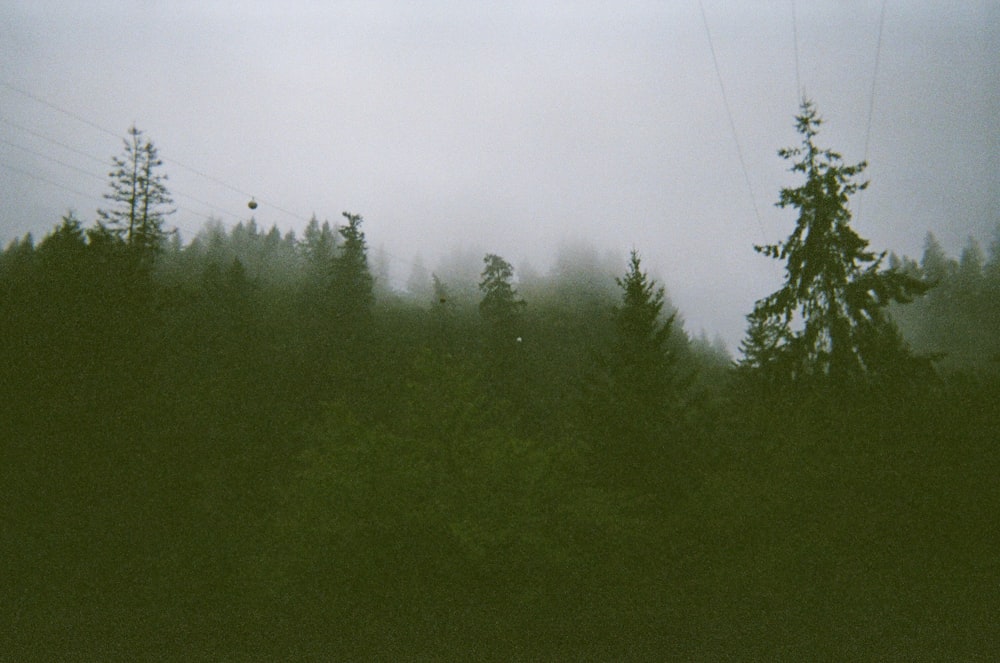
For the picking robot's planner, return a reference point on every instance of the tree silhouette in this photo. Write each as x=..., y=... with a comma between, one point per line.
x=633, y=389
x=935, y=263
x=641, y=336
x=318, y=247
x=500, y=306
x=352, y=280
x=829, y=318
x=140, y=195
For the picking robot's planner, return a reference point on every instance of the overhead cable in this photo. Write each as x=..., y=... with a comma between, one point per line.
x=105, y=130
x=732, y=124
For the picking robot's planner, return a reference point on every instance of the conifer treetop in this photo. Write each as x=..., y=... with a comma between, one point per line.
x=834, y=292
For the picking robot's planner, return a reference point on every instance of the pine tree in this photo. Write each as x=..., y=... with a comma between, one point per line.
x=318, y=246
x=992, y=266
x=641, y=362
x=834, y=294
x=500, y=306
x=66, y=241
x=634, y=389
x=140, y=196
x=937, y=267
x=970, y=264
x=18, y=254
x=641, y=337
x=353, y=284
x=500, y=310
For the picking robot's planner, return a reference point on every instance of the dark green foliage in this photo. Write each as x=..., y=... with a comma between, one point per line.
x=502, y=313
x=936, y=265
x=828, y=320
x=641, y=333
x=353, y=284
x=500, y=305
x=140, y=195
x=318, y=247
x=957, y=321
x=198, y=463
x=633, y=393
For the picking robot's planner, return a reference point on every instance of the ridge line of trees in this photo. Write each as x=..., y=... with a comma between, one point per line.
x=252, y=447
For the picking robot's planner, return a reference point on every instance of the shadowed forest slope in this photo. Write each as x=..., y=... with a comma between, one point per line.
x=251, y=448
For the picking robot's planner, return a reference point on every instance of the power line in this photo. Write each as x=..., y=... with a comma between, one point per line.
x=228, y=227
x=78, y=118
x=90, y=196
x=109, y=132
x=52, y=159
x=105, y=130
x=92, y=176
x=97, y=177
x=795, y=41
x=237, y=190
x=53, y=141
x=732, y=124
x=871, y=96
x=36, y=176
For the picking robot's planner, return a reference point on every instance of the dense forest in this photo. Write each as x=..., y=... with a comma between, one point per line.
x=250, y=446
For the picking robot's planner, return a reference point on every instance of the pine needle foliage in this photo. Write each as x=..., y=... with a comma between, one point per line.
x=140, y=196
x=829, y=318
x=500, y=306
x=353, y=283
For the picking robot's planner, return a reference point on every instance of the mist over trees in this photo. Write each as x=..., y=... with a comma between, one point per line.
x=956, y=322
x=250, y=446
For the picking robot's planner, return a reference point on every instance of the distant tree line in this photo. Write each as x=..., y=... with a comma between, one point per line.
x=956, y=322
x=252, y=446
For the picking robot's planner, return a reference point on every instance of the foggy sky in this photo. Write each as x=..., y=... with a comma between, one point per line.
x=510, y=127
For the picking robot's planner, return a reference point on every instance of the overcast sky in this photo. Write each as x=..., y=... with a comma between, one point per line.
x=511, y=127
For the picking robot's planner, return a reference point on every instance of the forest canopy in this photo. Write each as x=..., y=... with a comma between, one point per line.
x=253, y=446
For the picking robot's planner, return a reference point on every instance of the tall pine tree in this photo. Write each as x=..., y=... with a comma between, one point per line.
x=829, y=318
x=634, y=389
x=353, y=285
x=140, y=196
x=500, y=306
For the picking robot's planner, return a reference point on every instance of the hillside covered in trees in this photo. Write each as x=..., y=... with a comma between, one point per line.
x=250, y=447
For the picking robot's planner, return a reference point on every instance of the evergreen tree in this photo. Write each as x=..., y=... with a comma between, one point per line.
x=937, y=267
x=316, y=251
x=500, y=310
x=66, y=242
x=353, y=284
x=834, y=291
x=500, y=306
x=175, y=243
x=641, y=338
x=970, y=264
x=272, y=240
x=17, y=255
x=633, y=391
x=140, y=195
x=992, y=266
x=318, y=246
